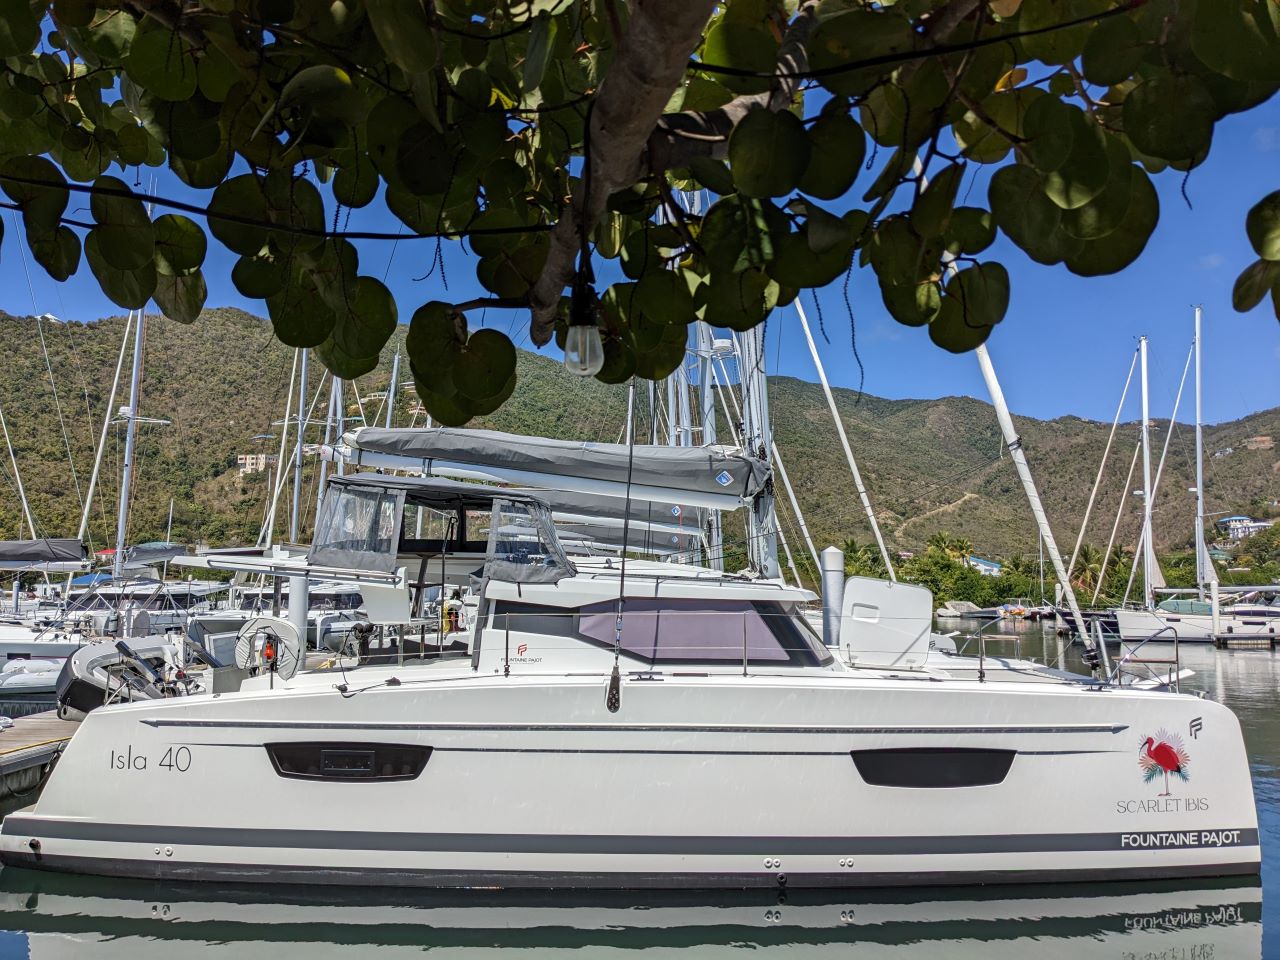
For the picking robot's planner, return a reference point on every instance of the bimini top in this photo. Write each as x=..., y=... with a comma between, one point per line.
x=699, y=476
x=45, y=554
x=362, y=525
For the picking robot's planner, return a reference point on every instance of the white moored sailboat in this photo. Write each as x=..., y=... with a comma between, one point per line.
x=625, y=726
x=1198, y=619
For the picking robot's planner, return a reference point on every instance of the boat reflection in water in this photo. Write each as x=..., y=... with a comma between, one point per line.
x=73, y=917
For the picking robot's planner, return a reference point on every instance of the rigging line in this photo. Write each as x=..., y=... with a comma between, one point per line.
x=791, y=562
x=4, y=474
x=101, y=447
x=858, y=485
x=355, y=388
x=313, y=485
x=17, y=474
x=613, y=698
x=1164, y=452
x=57, y=403
x=44, y=348
x=84, y=384
x=1097, y=483
x=267, y=531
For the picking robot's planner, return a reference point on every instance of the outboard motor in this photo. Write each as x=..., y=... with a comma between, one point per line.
x=361, y=634
x=139, y=665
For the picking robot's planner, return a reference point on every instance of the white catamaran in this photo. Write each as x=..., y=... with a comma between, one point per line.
x=611, y=723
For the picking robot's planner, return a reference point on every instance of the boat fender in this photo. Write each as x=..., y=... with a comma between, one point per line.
x=613, y=698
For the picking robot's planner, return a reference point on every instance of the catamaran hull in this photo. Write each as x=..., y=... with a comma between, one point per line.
x=531, y=782
x=1138, y=625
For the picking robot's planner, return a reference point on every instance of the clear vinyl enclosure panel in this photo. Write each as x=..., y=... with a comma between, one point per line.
x=376, y=522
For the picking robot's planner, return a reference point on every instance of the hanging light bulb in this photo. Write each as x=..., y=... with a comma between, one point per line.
x=583, y=350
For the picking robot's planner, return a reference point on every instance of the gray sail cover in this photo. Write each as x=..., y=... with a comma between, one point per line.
x=30, y=552
x=640, y=541
x=698, y=469
x=612, y=508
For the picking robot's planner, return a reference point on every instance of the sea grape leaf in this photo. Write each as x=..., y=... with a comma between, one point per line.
x=982, y=293
x=181, y=298
x=1253, y=283
x=768, y=153
x=837, y=147
x=1120, y=247
x=949, y=331
x=1262, y=224
x=130, y=289
x=1170, y=116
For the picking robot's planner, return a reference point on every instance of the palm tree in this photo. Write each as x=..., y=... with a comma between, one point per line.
x=1088, y=567
x=862, y=559
x=1020, y=563
x=940, y=541
x=1120, y=557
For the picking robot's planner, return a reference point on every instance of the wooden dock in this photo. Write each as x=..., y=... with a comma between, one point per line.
x=28, y=750
x=1237, y=641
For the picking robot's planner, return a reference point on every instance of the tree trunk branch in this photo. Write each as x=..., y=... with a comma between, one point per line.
x=680, y=137
x=640, y=83
x=650, y=64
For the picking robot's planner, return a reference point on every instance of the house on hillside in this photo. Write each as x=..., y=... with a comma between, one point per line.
x=988, y=568
x=253, y=462
x=1238, y=527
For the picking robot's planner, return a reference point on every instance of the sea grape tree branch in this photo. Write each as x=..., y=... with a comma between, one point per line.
x=650, y=64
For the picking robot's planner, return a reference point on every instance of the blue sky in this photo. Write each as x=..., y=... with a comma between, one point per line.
x=1064, y=347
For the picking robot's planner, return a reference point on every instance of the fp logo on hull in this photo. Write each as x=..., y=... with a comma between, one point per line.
x=522, y=649
x=1195, y=727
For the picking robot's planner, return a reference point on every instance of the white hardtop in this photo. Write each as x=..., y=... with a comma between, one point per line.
x=599, y=579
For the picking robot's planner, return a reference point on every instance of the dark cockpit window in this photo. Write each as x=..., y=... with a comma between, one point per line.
x=677, y=630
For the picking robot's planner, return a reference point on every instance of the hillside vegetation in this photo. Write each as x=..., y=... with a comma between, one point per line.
x=930, y=465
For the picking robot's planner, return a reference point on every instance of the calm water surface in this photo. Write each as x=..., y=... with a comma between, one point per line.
x=46, y=916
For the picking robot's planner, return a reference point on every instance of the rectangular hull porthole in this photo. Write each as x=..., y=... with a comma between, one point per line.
x=348, y=762
x=933, y=767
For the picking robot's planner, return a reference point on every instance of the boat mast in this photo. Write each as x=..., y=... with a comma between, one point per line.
x=1148, y=546
x=107, y=414
x=297, y=448
x=757, y=438
x=391, y=391
x=707, y=413
x=844, y=443
x=686, y=412
x=130, y=440
x=1202, y=559
x=1014, y=445
x=328, y=441
x=340, y=419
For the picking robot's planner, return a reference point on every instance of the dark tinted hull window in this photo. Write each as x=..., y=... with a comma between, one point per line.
x=937, y=768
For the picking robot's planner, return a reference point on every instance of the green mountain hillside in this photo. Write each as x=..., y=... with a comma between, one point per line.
x=930, y=465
